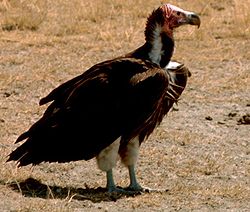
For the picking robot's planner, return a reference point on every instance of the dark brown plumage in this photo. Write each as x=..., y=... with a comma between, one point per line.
x=122, y=100
x=90, y=112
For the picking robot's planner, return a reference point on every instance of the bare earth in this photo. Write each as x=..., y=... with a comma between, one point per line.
x=198, y=159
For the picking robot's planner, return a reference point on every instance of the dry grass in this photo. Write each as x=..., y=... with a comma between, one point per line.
x=203, y=165
x=23, y=14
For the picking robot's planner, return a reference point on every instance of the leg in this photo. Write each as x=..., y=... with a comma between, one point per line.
x=111, y=187
x=106, y=161
x=134, y=185
x=129, y=156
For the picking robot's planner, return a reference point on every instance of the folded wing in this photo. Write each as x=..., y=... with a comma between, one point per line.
x=88, y=113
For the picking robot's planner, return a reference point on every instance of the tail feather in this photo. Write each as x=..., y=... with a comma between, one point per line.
x=25, y=155
x=19, y=154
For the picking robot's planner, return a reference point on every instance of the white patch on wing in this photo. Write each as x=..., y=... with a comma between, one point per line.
x=156, y=51
x=173, y=65
x=131, y=153
x=107, y=158
x=170, y=68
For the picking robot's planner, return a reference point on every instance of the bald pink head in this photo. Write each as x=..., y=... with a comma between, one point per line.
x=175, y=16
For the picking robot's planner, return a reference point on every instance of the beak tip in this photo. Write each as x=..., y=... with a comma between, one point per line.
x=195, y=20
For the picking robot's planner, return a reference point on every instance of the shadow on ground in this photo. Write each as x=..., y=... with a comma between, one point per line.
x=34, y=188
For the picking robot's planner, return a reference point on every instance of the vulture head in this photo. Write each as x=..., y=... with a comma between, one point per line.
x=160, y=28
x=168, y=17
x=175, y=16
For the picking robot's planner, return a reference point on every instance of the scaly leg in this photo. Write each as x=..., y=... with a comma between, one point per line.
x=134, y=185
x=111, y=187
x=106, y=161
x=110, y=181
x=129, y=156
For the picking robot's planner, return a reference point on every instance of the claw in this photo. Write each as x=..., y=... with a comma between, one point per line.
x=138, y=188
x=122, y=191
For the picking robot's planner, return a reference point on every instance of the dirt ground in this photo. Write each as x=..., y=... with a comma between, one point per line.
x=199, y=157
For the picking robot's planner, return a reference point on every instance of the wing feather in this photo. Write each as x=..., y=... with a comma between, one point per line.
x=88, y=113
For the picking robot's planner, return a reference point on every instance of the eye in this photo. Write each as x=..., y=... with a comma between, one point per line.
x=178, y=13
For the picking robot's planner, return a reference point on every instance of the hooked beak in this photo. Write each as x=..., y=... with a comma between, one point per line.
x=193, y=19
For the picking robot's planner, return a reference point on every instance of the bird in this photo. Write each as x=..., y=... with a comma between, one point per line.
x=110, y=109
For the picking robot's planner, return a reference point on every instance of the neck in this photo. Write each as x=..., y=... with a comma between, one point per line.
x=159, y=44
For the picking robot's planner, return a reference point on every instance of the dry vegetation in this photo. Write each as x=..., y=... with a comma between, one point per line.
x=199, y=156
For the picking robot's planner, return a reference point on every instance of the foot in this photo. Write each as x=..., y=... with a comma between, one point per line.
x=138, y=188
x=118, y=190
x=114, y=189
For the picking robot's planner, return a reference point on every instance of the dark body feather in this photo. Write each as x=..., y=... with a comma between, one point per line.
x=122, y=97
x=125, y=97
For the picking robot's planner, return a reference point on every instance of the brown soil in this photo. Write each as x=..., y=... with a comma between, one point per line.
x=200, y=155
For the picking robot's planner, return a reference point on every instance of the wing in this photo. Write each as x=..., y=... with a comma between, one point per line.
x=91, y=111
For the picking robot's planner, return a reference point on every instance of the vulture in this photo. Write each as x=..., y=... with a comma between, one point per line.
x=111, y=108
